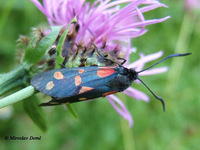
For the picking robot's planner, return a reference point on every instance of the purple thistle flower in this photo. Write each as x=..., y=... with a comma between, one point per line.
x=106, y=21
x=102, y=20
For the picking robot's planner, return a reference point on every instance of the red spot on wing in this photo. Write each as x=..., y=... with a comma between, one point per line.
x=85, y=89
x=80, y=70
x=105, y=72
x=49, y=85
x=108, y=93
x=58, y=75
x=77, y=80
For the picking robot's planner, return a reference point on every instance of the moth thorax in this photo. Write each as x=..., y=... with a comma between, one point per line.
x=133, y=73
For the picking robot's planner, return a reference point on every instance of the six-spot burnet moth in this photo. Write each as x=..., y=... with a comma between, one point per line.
x=69, y=85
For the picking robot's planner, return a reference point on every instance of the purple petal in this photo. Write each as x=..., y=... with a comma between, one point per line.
x=123, y=110
x=138, y=95
x=128, y=51
x=39, y=6
x=103, y=19
x=151, y=5
x=154, y=71
x=145, y=59
x=140, y=66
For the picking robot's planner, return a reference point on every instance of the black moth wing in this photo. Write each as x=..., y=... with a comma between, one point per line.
x=67, y=82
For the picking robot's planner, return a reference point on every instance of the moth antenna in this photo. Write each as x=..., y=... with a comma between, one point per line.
x=158, y=98
x=173, y=55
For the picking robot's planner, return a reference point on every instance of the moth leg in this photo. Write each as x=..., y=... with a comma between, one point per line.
x=124, y=60
x=97, y=50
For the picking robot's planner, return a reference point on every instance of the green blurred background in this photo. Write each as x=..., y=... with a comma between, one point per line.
x=99, y=126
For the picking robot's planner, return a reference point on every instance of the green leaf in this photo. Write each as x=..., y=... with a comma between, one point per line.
x=72, y=111
x=59, y=58
x=35, y=112
x=34, y=54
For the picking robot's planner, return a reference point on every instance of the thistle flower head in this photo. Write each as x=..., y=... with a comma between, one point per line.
x=103, y=20
x=110, y=27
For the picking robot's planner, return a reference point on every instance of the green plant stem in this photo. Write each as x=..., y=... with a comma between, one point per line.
x=181, y=47
x=13, y=79
x=18, y=96
x=127, y=133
